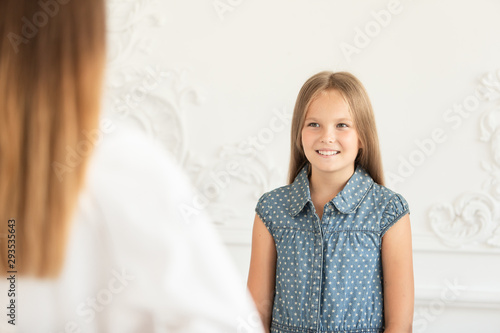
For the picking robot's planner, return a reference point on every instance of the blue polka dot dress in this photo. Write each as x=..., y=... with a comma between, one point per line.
x=329, y=271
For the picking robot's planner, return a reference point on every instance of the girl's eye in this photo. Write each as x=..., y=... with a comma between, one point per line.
x=313, y=125
x=342, y=125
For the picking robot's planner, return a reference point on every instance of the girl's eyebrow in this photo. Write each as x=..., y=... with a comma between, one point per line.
x=338, y=119
x=345, y=119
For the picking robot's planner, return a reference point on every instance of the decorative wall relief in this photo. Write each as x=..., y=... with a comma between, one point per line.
x=233, y=174
x=127, y=21
x=473, y=220
x=155, y=99
x=150, y=97
x=470, y=220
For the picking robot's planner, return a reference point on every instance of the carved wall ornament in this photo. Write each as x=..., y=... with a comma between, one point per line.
x=470, y=220
x=473, y=219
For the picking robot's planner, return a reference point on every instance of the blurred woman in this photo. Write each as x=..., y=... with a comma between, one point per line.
x=100, y=244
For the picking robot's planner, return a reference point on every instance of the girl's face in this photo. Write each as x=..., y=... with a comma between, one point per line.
x=329, y=138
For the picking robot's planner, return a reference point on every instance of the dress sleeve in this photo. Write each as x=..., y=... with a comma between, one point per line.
x=263, y=209
x=395, y=210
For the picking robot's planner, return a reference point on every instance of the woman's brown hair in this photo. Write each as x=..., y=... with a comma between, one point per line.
x=361, y=110
x=52, y=57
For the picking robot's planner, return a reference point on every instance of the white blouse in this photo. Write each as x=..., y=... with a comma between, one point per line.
x=134, y=263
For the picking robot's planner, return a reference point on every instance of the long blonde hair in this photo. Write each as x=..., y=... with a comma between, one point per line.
x=52, y=57
x=361, y=110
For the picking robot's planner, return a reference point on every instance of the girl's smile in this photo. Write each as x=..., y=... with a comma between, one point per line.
x=328, y=152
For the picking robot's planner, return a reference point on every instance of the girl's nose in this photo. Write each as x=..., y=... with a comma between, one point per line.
x=328, y=136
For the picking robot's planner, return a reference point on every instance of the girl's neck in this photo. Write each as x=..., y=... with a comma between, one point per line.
x=328, y=184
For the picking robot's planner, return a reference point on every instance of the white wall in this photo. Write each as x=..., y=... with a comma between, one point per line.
x=215, y=82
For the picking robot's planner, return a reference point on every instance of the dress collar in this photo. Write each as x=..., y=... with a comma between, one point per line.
x=346, y=201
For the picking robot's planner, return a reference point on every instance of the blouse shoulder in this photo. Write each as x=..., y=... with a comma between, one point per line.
x=396, y=207
x=269, y=202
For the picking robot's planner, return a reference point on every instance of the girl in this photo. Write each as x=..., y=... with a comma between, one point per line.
x=327, y=252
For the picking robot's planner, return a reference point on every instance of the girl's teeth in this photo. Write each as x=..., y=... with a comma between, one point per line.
x=328, y=152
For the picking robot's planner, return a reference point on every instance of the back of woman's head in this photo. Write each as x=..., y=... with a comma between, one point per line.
x=52, y=55
x=361, y=110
